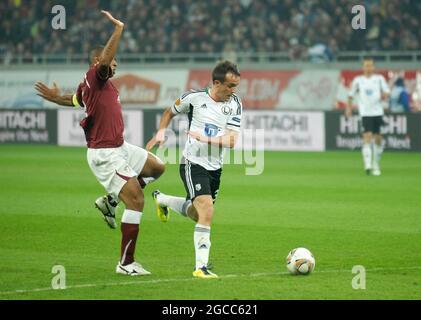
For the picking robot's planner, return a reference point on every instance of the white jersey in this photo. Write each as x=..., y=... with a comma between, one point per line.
x=209, y=118
x=368, y=91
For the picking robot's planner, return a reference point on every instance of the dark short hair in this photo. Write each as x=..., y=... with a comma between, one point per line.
x=400, y=82
x=95, y=52
x=221, y=70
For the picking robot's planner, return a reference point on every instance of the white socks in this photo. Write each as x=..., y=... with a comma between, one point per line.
x=377, y=155
x=131, y=216
x=129, y=231
x=201, y=237
x=148, y=180
x=202, y=245
x=367, y=155
x=372, y=154
x=177, y=204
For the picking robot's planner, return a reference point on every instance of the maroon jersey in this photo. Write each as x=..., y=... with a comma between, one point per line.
x=103, y=124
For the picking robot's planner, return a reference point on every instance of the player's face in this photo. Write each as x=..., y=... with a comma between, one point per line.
x=113, y=67
x=368, y=67
x=226, y=89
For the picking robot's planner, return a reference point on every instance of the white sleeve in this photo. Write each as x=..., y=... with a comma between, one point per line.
x=384, y=86
x=182, y=104
x=234, y=121
x=354, y=88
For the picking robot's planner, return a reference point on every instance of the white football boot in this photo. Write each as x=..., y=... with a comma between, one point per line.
x=107, y=210
x=376, y=169
x=376, y=172
x=132, y=269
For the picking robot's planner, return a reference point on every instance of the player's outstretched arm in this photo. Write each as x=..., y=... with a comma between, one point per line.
x=160, y=135
x=228, y=140
x=110, y=49
x=53, y=94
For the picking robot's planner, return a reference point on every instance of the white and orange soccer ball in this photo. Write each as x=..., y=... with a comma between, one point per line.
x=300, y=261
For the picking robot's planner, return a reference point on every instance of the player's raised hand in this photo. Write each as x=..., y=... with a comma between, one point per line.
x=159, y=138
x=47, y=93
x=116, y=22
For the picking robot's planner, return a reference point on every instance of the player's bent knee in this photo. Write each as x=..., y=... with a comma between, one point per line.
x=204, y=208
x=378, y=138
x=138, y=201
x=157, y=162
x=134, y=202
x=154, y=167
x=367, y=137
x=202, y=202
x=131, y=195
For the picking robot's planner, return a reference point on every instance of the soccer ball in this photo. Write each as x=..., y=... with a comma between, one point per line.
x=300, y=261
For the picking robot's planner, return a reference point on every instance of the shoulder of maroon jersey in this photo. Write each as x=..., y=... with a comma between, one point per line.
x=92, y=68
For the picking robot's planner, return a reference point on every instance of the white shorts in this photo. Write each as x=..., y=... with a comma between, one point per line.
x=113, y=167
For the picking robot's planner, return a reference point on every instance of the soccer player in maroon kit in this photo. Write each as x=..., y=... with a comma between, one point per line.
x=120, y=167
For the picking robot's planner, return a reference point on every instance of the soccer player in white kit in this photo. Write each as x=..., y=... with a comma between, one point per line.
x=214, y=124
x=371, y=90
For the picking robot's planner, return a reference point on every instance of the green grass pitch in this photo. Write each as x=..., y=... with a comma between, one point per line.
x=321, y=201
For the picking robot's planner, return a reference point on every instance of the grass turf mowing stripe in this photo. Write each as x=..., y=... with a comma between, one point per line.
x=228, y=276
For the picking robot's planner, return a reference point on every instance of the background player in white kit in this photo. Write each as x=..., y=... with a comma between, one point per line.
x=214, y=123
x=371, y=90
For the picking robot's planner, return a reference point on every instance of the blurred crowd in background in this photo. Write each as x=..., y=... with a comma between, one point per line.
x=212, y=26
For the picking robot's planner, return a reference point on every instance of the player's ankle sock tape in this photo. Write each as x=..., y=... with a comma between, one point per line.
x=202, y=228
x=185, y=208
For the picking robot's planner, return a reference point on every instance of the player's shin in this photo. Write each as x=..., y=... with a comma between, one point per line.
x=177, y=204
x=377, y=154
x=202, y=245
x=367, y=156
x=129, y=230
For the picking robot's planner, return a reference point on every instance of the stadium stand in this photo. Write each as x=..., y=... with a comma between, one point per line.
x=302, y=30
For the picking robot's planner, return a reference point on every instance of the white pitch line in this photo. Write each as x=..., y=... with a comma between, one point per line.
x=228, y=276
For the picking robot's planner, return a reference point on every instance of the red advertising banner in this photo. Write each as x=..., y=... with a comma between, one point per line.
x=135, y=89
x=304, y=90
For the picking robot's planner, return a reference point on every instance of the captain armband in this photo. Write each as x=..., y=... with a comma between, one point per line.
x=75, y=102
